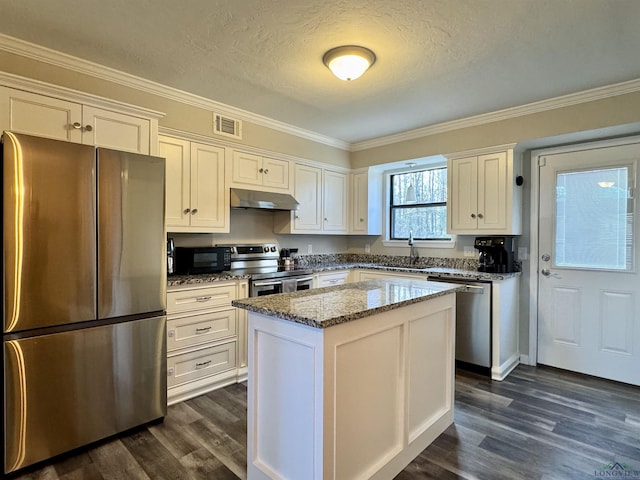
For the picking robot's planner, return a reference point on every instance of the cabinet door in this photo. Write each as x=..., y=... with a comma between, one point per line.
x=115, y=130
x=308, y=184
x=178, y=178
x=462, y=194
x=246, y=168
x=359, y=203
x=335, y=201
x=209, y=198
x=40, y=115
x=275, y=173
x=492, y=191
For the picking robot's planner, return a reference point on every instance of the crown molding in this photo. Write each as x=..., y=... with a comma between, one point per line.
x=599, y=93
x=59, y=59
x=53, y=57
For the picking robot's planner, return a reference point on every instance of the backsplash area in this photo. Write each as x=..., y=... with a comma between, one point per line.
x=311, y=261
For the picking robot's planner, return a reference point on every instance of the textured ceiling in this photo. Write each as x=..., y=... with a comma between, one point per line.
x=437, y=60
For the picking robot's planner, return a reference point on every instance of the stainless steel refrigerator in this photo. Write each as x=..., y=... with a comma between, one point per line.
x=84, y=295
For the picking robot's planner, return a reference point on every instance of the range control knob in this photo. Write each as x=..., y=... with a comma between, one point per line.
x=265, y=249
x=273, y=248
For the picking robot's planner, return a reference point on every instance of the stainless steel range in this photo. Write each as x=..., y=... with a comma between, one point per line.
x=260, y=262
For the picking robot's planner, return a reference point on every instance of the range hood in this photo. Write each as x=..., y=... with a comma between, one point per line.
x=262, y=200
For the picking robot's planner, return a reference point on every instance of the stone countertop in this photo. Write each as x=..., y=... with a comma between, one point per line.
x=181, y=280
x=434, y=271
x=328, y=306
x=185, y=280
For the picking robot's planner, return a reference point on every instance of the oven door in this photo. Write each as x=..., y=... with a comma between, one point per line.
x=260, y=288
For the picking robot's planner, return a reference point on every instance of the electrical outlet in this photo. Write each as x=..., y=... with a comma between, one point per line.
x=522, y=253
x=367, y=248
x=469, y=252
x=309, y=248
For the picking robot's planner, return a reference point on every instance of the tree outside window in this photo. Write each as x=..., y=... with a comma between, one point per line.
x=425, y=215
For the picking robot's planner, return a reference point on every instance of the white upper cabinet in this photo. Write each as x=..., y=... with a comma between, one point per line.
x=366, y=206
x=196, y=197
x=483, y=198
x=71, y=121
x=308, y=192
x=335, y=201
x=255, y=172
x=323, y=196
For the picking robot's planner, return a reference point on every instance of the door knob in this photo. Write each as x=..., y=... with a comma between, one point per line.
x=546, y=272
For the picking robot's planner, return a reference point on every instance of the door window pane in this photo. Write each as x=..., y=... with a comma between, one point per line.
x=594, y=219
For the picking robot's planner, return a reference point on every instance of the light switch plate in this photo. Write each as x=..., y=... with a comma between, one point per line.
x=367, y=248
x=469, y=252
x=522, y=253
x=309, y=248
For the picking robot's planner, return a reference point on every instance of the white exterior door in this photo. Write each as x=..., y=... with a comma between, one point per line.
x=589, y=256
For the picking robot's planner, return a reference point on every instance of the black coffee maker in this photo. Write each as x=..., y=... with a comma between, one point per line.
x=496, y=254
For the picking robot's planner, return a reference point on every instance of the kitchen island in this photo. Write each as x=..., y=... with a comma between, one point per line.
x=348, y=382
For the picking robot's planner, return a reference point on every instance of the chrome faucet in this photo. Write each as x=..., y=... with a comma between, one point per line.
x=413, y=251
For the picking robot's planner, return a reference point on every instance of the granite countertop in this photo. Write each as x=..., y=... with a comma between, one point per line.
x=328, y=306
x=328, y=266
x=434, y=271
x=179, y=280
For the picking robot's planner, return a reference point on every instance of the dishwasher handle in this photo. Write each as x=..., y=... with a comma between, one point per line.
x=469, y=287
x=473, y=289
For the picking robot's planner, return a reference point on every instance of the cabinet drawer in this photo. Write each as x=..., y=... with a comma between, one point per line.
x=330, y=279
x=201, y=298
x=201, y=363
x=202, y=328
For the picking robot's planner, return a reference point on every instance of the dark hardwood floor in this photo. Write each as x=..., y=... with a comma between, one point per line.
x=540, y=423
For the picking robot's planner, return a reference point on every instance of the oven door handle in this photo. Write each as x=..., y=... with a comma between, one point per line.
x=303, y=279
x=267, y=284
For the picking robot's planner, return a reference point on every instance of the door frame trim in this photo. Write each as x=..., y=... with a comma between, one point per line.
x=534, y=226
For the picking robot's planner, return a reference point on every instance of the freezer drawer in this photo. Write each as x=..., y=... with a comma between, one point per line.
x=65, y=390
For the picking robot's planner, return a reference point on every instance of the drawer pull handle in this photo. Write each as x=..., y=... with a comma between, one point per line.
x=202, y=329
x=203, y=364
x=203, y=299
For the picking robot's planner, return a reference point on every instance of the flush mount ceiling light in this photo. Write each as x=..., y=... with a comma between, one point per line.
x=349, y=62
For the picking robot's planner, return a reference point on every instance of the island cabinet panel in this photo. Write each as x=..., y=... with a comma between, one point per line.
x=356, y=400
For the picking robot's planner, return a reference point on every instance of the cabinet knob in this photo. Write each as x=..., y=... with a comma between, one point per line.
x=297, y=217
x=187, y=210
x=326, y=219
x=261, y=170
x=362, y=219
x=194, y=211
x=473, y=215
x=479, y=215
x=266, y=170
x=76, y=125
x=88, y=128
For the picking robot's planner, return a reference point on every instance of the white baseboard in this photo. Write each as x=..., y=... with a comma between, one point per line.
x=501, y=372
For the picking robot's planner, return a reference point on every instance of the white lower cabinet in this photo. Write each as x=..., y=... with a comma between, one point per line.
x=202, y=339
x=330, y=279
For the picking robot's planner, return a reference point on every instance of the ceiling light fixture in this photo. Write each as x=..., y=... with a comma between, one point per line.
x=349, y=62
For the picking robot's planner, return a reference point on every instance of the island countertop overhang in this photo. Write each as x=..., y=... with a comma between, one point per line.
x=329, y=306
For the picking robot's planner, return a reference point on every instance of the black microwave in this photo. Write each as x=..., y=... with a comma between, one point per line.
x=195, y=260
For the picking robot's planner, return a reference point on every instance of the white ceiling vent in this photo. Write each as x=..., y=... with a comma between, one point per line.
x=227, y=126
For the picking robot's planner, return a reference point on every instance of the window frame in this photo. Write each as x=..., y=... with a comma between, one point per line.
x=422, y=243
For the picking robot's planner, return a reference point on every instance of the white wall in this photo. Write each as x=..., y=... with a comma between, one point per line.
x=256, y=226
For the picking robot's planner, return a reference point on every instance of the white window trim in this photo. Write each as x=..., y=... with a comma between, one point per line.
x=387, y=242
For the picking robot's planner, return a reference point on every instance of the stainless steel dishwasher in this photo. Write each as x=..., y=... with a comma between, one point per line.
x=473, y=322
